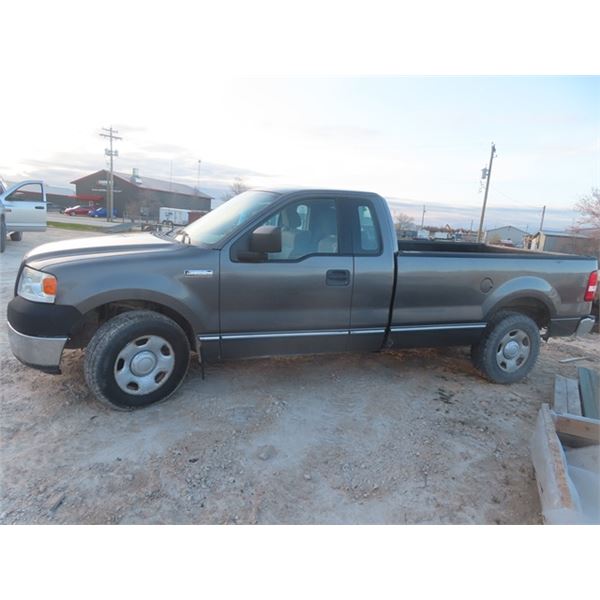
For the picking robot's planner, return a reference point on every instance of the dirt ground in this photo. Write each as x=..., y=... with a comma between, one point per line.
x=410, y=436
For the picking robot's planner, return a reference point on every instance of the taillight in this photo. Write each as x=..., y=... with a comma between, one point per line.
x=592, y=286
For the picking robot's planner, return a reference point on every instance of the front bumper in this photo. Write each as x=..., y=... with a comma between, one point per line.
x=43, y=353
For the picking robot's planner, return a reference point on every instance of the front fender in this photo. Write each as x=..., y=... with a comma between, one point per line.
x=147, y=295
x=162, y=280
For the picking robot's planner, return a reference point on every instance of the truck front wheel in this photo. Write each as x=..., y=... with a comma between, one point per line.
x=16, y=236
x=508, y=349
x=136, y=359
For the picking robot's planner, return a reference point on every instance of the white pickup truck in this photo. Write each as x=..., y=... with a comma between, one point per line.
x=22, y=208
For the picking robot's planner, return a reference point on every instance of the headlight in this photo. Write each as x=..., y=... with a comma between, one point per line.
x=37, y=286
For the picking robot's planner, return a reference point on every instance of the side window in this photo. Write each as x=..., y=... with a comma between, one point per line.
x=307, y=227
x=30, y=192
x=368, y=241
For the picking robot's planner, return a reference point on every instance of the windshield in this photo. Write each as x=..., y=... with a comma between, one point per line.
x=217, y=224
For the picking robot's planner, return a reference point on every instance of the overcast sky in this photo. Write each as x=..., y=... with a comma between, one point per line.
x=415, y=140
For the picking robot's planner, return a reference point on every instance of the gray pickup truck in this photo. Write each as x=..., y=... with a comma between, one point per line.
x=285, y=271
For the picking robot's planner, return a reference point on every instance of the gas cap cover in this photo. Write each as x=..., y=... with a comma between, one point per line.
x=486, y=285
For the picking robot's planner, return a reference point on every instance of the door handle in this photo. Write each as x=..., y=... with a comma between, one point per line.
x=40, y=207
x=337, y=277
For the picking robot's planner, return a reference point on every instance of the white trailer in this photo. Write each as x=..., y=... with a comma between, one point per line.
x=176, y=216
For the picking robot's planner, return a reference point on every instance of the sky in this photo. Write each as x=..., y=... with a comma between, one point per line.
x=416, y=140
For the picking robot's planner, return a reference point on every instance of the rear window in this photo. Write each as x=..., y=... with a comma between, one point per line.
x=368, y=241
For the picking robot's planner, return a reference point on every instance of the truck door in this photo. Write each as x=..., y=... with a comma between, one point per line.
x=298, y=300
x=25, y=207
x=374, y=264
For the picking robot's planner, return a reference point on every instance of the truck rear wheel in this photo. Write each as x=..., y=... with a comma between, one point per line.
x=508, y=349
x=136, y=359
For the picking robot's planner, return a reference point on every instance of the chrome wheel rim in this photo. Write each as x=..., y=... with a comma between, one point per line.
x=144, y=365
x=513, y=350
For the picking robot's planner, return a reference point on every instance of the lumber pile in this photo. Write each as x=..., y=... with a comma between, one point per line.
x=565, y=449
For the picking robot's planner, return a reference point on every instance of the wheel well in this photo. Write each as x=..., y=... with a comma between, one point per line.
x=91, y=320
x=533, y=308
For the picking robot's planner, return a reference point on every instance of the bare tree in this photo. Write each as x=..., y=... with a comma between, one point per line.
x=403, y=222
x=589, y=208
x=133, y=208
x=237, y=187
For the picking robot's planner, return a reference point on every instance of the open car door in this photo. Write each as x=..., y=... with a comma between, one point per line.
x=25, y=206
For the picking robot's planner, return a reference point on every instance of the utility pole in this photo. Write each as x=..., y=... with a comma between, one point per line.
x=423, y=216
x=486, y=174
x=111, y=135
x=543, y=215
x=171, y=183
x=198, y=178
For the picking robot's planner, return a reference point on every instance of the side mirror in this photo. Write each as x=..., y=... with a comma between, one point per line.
x=266, y=239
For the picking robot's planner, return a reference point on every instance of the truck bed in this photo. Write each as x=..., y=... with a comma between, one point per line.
x=446, y=291
x=451, y=247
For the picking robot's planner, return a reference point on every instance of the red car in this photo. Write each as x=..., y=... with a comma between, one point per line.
x=78, y=210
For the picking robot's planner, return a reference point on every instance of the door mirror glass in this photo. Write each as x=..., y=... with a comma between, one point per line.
x=266, y=239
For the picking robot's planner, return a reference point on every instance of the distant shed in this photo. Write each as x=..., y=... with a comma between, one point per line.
x=565, y=242
x=505, y=234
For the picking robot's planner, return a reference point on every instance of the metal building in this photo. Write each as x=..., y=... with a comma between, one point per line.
x=136, y=194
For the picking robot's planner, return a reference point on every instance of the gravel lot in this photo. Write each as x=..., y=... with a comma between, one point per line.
x=399, y=437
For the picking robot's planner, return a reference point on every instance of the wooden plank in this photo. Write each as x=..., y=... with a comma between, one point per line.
x=586, y=429
x=590, y=392
x=566, y=396
x=560, y=395
x=573, y=398
x=554, y=488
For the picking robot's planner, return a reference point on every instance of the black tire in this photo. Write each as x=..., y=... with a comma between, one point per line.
x=507, y=331
x=2, y=235
x=102, y=358
x=16, y=236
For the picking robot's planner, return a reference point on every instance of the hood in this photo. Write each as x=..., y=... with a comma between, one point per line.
x=102, y=245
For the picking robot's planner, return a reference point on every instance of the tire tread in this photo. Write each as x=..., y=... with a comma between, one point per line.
x=104, y=337
x=482, y=349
